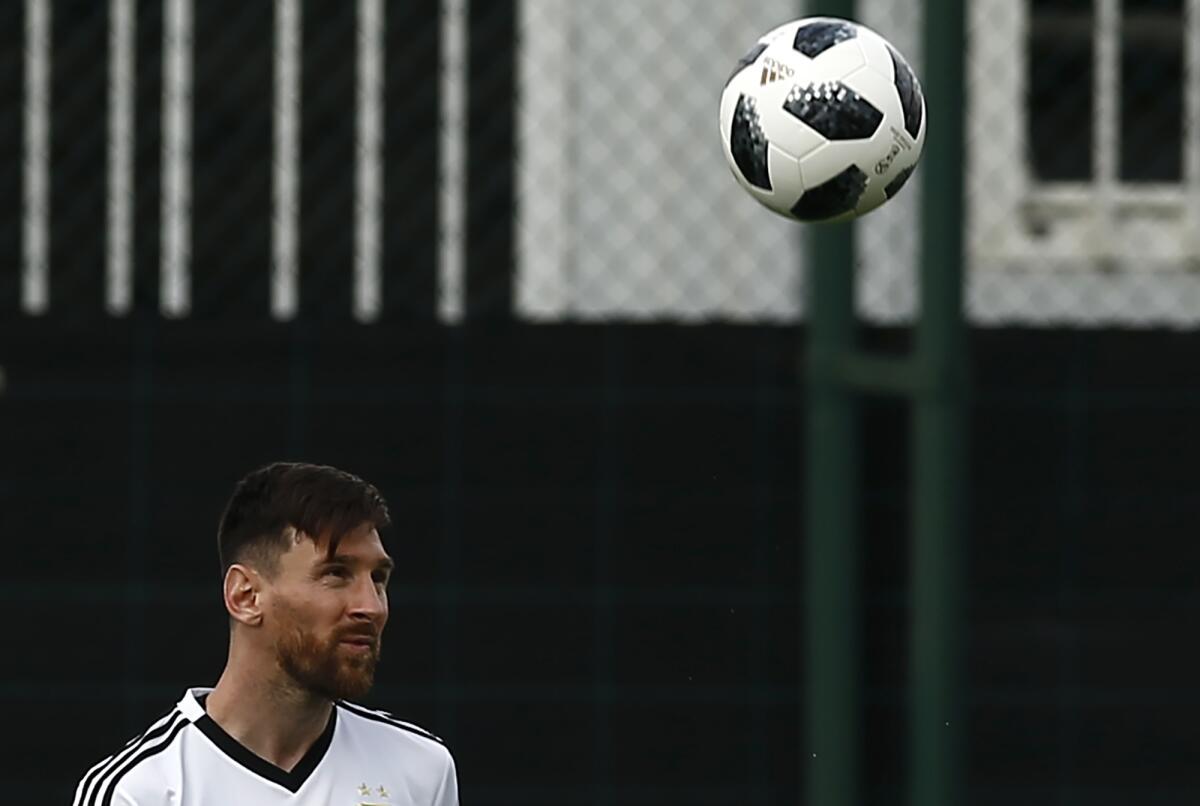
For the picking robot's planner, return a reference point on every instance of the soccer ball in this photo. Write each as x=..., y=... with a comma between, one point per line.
x=822, y=120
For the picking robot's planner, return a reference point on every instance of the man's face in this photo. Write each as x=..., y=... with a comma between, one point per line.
x=326, y=615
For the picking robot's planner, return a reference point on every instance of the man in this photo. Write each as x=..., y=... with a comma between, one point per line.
x=305, y=585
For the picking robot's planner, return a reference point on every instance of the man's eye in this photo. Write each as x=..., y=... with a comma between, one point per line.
x=337, y=572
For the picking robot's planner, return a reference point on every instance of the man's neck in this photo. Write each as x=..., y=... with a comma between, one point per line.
x=275, y=720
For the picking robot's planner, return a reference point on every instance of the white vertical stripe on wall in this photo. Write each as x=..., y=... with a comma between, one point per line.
x=368, y=185
x=35, y=280
x=544, y=233
x=452, y=150
x=285, y=169
x=119, y=265
x=175, y=288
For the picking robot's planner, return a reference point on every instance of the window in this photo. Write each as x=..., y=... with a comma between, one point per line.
x=1151, y=91
x=1080, y=145
x=1060, y=124
x=1139, y=44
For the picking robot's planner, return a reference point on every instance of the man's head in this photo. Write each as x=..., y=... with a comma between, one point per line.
x=305, y=574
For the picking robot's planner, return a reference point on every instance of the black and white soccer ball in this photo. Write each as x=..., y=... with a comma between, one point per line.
x=822, y=120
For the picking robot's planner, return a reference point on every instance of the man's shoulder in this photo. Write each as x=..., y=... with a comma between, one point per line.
x=394, y=742
x=387, y=727
x=136, y=766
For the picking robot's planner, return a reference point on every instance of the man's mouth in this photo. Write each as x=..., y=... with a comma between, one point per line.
x=359, y=640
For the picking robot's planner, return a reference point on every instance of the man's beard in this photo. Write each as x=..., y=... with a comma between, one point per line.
x=325, y=667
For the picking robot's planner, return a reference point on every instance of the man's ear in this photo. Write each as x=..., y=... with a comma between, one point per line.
x=243, y=594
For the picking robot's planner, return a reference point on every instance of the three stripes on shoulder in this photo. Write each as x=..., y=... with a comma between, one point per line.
x=98, y=785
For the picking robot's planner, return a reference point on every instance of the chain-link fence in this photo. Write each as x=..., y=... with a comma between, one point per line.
x=625, y=206
x=1082, y=186
x=614, y=510
x=1084, y=162
x=363, y=158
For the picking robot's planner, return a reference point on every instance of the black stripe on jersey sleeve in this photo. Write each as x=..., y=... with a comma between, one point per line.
x=163, y=719
x=109, y=784
x=160, y=726
x=387, y=719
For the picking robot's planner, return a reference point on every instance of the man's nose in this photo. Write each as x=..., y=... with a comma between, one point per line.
x=369, y=601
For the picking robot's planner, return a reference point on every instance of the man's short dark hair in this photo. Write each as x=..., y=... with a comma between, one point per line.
x=322, y=502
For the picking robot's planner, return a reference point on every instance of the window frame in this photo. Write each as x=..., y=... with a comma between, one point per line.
x=1014, y=218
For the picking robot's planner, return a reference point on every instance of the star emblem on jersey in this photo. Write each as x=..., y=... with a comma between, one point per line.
x=365, y=791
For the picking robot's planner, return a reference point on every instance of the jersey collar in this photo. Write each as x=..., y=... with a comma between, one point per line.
x=192, y=707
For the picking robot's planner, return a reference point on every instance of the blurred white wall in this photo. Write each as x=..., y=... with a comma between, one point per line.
x=626, y=209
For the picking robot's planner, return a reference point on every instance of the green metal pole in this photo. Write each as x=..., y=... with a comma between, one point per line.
x=830, y=751
x=937, y=650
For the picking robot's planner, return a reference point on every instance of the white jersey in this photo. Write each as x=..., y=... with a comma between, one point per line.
x=364, y=758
